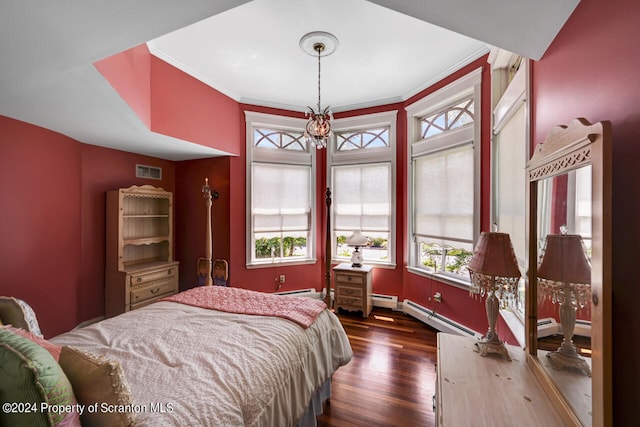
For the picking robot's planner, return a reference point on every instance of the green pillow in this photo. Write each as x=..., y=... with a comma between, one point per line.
x=29, y=377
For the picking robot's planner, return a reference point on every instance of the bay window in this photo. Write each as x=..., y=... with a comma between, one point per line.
x=280, y=189
x=362, y=180
x=443, y=164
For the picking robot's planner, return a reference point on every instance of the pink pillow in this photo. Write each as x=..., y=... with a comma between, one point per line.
x=49, y=346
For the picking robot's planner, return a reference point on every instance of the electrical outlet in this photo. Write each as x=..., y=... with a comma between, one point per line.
x=282, y=278
x=437, y=297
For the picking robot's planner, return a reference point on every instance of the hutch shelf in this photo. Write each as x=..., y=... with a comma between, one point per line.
x=139, y=265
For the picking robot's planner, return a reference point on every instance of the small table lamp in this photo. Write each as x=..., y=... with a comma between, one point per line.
x=357, y=240
x=494, y=272
x=564, y=275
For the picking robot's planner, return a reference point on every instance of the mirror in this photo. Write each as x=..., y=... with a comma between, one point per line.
x=568, y=291
x=563, y=285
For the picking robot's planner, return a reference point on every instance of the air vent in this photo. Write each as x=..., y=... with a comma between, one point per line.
x=149, y=172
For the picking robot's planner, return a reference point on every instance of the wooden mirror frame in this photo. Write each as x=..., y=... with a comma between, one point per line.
x=567, y=148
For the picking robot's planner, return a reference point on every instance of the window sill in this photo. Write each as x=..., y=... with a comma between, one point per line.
x=458, y=283
x=373, y=264
x=515, y=324
x=280, y=264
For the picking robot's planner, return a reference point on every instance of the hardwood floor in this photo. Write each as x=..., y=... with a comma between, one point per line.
x=390, y=380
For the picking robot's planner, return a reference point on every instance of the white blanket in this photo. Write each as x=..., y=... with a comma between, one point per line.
x=209, y=368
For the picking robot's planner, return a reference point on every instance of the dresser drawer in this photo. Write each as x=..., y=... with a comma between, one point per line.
x=136, y=279
x=148, y=301
x=153, y=290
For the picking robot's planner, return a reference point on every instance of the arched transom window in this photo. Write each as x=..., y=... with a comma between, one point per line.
x=453, y=117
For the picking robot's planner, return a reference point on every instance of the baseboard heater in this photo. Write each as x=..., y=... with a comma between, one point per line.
x=549, y=326
x=386, y=301
x=436, y=320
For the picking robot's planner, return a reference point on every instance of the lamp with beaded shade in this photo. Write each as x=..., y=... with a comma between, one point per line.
x=494, y=272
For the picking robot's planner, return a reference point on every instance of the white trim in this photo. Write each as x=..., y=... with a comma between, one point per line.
x=306, y=158
x=464, y=87
x=365, y=121
x=446, y=95
x=363, y=157
x=443, y=278
x=443, y=141
x=511, y=95
x=510, y=102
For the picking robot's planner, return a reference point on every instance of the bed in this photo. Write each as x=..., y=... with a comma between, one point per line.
x=181, y=363
x=187, y=365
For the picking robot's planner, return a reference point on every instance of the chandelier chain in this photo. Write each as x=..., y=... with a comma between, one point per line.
x=319, y=49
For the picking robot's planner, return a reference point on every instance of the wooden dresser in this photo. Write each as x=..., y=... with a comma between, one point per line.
x=139, y=265
x=472, y=390
x=352, y=288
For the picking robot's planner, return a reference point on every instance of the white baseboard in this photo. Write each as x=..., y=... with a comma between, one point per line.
x=436, y=320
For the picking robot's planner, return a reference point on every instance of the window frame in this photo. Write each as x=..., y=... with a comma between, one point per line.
x=376, y=155
x=448, y=96
x=261, y=155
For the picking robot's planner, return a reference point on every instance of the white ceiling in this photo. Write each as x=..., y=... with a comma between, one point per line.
x=389, y=50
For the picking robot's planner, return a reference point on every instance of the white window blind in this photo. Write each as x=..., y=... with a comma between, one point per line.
x=362, y=197
x=444, y=197
x=281, y=198
x=510, y=159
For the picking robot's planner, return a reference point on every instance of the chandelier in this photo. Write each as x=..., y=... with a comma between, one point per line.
x=318, y=129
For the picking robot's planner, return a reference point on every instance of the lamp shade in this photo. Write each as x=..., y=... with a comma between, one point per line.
x=357, y=239
x=494, y=256
x=564, y=260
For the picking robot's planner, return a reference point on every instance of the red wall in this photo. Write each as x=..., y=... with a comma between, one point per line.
x=171, y=102
x=52, y=220
x=129, y=73
x=188, y=109
x=591, y=71
x=40, y=214
x=191, y=215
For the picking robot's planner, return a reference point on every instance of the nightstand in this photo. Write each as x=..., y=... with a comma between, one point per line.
x=352, y=288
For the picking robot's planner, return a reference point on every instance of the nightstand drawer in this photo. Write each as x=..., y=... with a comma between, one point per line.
x=352, y=302
x=350, y=291
x=350, y=279
x=136, y=279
